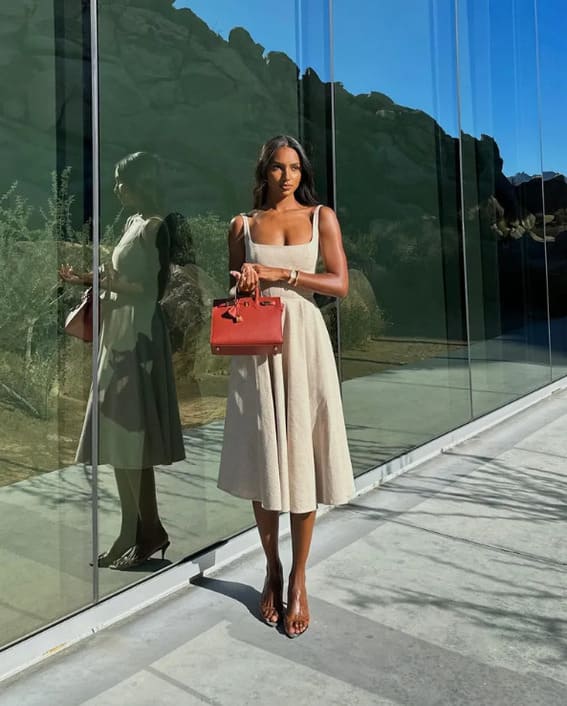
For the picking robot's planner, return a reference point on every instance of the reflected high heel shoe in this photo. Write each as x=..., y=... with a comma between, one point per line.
x=105, y=559
x=137, y=555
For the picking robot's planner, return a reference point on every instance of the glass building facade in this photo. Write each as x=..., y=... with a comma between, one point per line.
x=435, y=131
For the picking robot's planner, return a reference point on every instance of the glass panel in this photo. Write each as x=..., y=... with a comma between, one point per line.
x=552, y=24
x=201, y=85
x=45, y=209
x=403, y=332
x=505, y=251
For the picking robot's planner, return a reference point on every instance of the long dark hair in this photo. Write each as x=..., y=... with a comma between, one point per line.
x=175, y=246
x=142, y=173
x=305, y=193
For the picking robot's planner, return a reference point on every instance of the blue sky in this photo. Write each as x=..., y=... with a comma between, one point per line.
x=406, y=49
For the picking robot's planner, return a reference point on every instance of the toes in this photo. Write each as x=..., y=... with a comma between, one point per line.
x=269, y=613
x=301, y=625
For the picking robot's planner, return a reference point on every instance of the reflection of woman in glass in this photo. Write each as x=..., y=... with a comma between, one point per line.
x=138, y=414
x=285, y=445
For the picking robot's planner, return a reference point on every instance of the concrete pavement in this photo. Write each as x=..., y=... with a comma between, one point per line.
x=446, y=586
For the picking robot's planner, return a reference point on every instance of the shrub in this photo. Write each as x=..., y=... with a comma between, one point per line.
x=32, y=299
x=209, y=233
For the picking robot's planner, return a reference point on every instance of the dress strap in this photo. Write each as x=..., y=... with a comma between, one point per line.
x=246, y=225
x=247, y=237
x=316, y=222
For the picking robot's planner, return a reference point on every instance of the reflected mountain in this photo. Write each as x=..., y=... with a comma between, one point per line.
x=522, y=177
x=171, y=85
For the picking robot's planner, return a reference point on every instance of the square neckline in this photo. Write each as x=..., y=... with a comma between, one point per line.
x=248, y=232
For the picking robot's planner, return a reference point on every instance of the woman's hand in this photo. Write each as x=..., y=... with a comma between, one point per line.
x=247, y=279
x=68, y=274
x=252, y=274
x=271, y=274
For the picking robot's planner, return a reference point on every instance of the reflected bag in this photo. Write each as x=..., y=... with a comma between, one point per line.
x=79, y=321
x=250, y=325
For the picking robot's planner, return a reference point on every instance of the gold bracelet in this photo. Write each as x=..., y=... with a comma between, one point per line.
x=296, y=280
x=292, y=279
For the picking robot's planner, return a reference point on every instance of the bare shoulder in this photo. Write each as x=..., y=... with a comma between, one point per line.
x=236, y=229
x=328, y=218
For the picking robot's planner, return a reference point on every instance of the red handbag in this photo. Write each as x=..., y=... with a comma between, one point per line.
x=79, y=321
x=249, y=325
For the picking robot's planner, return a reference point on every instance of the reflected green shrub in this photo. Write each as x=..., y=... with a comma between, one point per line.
x=361, y=317
x=33, y=243
x=405, y=261
x=209, y=233
x=36, y=358
x=193, y=286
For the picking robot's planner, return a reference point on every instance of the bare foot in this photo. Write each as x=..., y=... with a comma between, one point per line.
x=271, y=601
x=296, y=619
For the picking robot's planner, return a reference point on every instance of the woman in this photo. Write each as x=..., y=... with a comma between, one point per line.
x=139, y=425
x=285, y=445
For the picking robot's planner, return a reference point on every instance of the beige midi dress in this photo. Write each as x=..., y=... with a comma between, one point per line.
x=285, y=442
x=138, y=415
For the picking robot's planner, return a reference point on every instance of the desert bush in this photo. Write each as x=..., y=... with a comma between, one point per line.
x=34, y=241
x=58, y=223
x=15, y=215
x=32, y=300
x=209, y=233
x=407, y=263
x=360, y=316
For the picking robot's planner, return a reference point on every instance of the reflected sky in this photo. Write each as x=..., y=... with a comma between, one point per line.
x=299, y=28
x=406, y=49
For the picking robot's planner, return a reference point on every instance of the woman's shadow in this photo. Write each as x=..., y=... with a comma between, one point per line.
x=246, y=595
